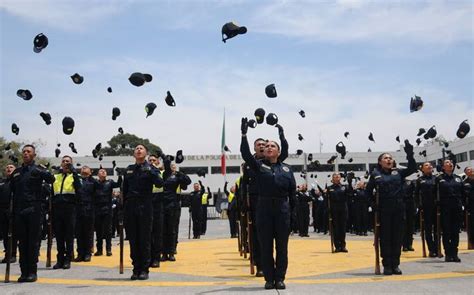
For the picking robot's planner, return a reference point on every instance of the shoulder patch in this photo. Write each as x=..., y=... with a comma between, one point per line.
x=286, y=169
x=266, y=167
x=16, y=174
x=394, y=172
x=129, y=171
x=377, y=177
x=458, y=179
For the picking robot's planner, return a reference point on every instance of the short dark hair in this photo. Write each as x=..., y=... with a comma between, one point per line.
x=30, y=146
x=143, y=145
x=67, y=156
x=258, y=139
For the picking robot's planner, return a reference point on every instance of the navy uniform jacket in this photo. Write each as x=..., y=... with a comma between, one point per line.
x=303, y=198
x=425, y=192
x=89, y=185
x=139, y=180
x=171, y=183
x=339, y=195
x=274, y=180
x=360, y=196
x=390, y=183
x=469, y=193
x=5, y=194
x=27, y=183
x=451, y=190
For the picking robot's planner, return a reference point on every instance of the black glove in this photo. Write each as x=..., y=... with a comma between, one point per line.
x=280, y=129
x=408, y=148
x=244, y=126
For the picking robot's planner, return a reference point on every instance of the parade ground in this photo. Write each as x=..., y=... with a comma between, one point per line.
x=212, y=265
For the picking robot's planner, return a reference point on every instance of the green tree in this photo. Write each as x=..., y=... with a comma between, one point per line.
x=10, y=151
x=123, y=145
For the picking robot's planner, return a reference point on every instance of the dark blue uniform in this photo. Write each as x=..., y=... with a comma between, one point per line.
x=409, y=227
x=5, y=196
x=276, y=188
x=195, y=199
x=425, y=196
x=469, y=194
x=338, y=196
x=302, y=212
x=138, y=213
x=26, y=185
x=389, y=185
x=85, y=220
x=361, y=204
x=451, y=192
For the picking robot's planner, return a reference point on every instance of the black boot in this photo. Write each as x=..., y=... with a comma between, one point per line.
x=269, y=285
x=280, y=285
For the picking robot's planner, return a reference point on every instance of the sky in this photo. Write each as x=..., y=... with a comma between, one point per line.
x=350, y=65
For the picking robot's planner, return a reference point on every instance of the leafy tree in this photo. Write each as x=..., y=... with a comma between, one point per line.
x=124, y=144
x=10, y=153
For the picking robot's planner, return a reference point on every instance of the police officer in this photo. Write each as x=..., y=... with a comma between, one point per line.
x=157, y=227
x=303, y=198
x=409, y=224
x=204, y=204
x=26, y=182
x=231, y=209
x=361, y=203
x=469, y=193
x=425, y=197
x=276, y=189
x=66, y=188
x=172, y=180
x=338, y=195
x=138, y=210
x=195, y=198
x=451, y=193
x=5, y=214
x=103, y=211
x=388, y=182
x=85, y=216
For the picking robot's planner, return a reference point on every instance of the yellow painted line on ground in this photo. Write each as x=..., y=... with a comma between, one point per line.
x=220, y=259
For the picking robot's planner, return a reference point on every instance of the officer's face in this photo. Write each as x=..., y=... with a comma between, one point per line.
x=468, y=172
x=448, y=166
x=336, y=178
x=65, y=162
x=85, y=172
x=271, y=150
x=154, y=161
x=386, y=162
x=139, y=153
x=28, y=154
x=232, y=189
x=102, y=174
x=173, y=167
x=427, y=168
x=196, y=187
x=9, y=169
x=259, y=147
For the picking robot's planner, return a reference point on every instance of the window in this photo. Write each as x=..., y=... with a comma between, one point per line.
x=110, y=171
x=351, y=167
x=193, y=170
x=372, y=167
x=297, y=168
x=471, y=155
x=228, y=169
x=461, y=157
x=320, y=168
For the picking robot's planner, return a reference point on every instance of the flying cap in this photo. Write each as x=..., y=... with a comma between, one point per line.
x=350, y=160
x=397, y=138
x=57, y=152
x=418, y=141
x=231, y=29
x=138, y=79
x=299, y=152
x=346, y=134
x=341, y=149
x=431, y=133
x=416, y=104
x=259, y=115
x=270, y=91
x=169, y=99
x=15, y=128
x=310, y=157
x=115, y=113
x=150, y=108
x=46, y=118
x=40, y=42
x=77, y=79
x=109, y=89
x=463, y=129
x=201, y=173
x=300, y=137
x=179, y=157
x=72, y=147
x=302, y=113
x=371, y=137
x=272, y=119
x=68, y=125
x=24, y=93
x=252, y=123
x=421, y=131
x=120, y=130
x=332, y=159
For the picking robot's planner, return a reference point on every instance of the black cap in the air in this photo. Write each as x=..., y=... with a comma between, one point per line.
x=57, y=152
x=259, y=115
x=179, y=157
x=109, y=89
x=231, y=29
x=302, y=113
x=252, y=123
x=310, y=157
x=226, y=149
x=431, y=133
x=418, y=141
x=120, y=130
x=299, y=152
x=72, y=147
x=15, y=128
x=115, y=113
x=272, y=119
x=77, y=79
x=423, y=153
x=421, y=131
x=300, y=137
x=371, y=137
x=397, y=138
x=463, y=129
x=24, y=93
x=201, y=173
x=169, y=99
x=98, y=147
x=416, y=104
x=350, y=160
x=101, y=156
x=346, y=134
x=40, y=42
x=150, y=108
x=341, y=149
x=332, y=159
x=138, y=79
x=271, y=91
x=46, y=118
x=369, y=150
x=114, y=164
x=68, y=125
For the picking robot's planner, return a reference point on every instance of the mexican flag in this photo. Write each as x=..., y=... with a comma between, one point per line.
x=223, y=147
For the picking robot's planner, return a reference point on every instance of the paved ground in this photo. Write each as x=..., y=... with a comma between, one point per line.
x=213, y=266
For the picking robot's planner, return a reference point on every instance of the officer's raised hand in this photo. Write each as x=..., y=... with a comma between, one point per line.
x=244, y=126
x=408, y=148
x=280, y=129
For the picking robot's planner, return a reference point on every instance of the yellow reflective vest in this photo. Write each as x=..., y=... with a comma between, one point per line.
x=64, y=184
x=230, y=197
x=204, y=199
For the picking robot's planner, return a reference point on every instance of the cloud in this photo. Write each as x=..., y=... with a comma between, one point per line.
x=76, y=16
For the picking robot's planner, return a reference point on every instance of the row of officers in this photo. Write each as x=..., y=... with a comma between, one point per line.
x=75, y=205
